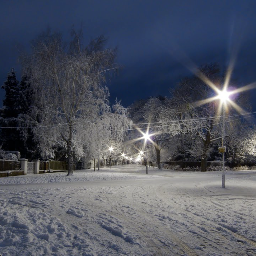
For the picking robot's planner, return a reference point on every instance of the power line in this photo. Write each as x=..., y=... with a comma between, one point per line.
x=138, y=125
x=182, y=121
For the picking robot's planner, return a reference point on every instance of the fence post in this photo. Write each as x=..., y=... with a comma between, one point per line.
x=36, y=167
x=24, y=165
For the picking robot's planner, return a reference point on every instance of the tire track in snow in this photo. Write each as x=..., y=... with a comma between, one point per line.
x=152, y=243
x=178, y=224
x=152, y=238
x=136, y=225
x=215, y=227
x=182, y=245
x=238, y=236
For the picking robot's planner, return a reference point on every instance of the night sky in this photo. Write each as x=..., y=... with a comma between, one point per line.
x=157, y=40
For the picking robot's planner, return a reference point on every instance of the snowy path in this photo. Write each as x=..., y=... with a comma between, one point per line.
x=125, y=212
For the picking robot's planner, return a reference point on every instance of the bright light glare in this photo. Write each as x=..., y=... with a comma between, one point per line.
x=123, y=154
x=111, y=149
x=146, y=136
x=224, y=95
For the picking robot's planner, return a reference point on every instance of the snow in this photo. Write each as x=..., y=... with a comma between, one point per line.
x=123, y=211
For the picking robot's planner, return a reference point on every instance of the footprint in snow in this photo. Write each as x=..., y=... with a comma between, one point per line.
x=76, y=213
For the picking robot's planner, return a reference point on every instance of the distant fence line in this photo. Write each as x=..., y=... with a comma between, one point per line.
x=50, y=165
x=21, y=167
x=186, y=164
x=53, y=165
x=6, y=165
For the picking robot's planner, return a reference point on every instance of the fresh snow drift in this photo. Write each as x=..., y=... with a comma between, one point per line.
x=123, y=211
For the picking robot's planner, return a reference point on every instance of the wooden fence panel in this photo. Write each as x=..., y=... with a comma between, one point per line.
x=9, y=165
x=53, y=165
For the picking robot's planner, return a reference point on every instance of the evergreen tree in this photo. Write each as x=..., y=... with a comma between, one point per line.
x=11, y=87
x=10, y=138
x=17, y=136
x=25, y=99
x=25, y=95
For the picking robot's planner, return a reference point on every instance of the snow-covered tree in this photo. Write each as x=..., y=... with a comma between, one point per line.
x=108, y=130
x=244, y=150
x=68, y=82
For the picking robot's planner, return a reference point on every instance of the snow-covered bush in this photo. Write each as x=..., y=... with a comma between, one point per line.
x=10, y=156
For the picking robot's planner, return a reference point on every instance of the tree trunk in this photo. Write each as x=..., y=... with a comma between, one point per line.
x=69, y=149
x=203, y=163
x=158, y=157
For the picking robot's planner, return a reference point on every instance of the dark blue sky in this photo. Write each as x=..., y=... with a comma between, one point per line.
x=152, y=37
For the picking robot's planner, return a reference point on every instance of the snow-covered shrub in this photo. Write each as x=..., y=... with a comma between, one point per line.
x=10, y=156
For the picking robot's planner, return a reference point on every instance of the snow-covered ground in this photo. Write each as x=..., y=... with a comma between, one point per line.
x=123, y=211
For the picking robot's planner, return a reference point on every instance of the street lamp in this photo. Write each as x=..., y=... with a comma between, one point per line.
x=146, y=137
x=224, y=98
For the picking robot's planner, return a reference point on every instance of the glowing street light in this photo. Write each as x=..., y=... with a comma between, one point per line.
x=224, y=98
x=146, y=137
x=222, y=95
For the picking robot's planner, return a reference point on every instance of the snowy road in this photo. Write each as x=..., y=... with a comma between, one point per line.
x=122, y=211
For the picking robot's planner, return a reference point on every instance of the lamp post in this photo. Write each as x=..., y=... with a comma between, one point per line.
x=223, y=146
x=146, y=137
x=224, y=97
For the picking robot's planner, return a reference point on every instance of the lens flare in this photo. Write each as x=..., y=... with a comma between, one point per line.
x=224, y=96
x=174, y=49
